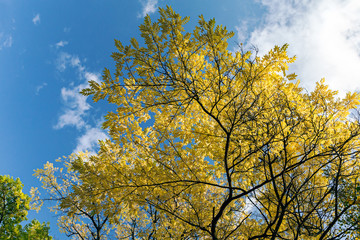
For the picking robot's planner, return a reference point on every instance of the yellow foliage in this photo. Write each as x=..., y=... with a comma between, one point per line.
x=212, y=144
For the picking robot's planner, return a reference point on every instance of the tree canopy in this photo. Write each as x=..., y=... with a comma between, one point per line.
x=212, y=143
x=78, y=217
x=14, y=206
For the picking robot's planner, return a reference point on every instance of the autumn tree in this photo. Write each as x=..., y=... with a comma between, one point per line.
x=82, y=217
x=78, y=218
x=14, y=206
x=209, y=143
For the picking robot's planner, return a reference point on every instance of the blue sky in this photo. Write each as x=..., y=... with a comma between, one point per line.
x=50, y=49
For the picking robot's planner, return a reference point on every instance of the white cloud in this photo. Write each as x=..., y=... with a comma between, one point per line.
x=148, y=7
x=65, y=59
x=76, y=107
x=89, y=140
x=36, y=19
x=61, y=44
x=242, y=31
x=38, y=88
x=92, y=76
x=75, y=104
x=6, y=41
x=61, y=61
x=75, y=62
x=323, y=34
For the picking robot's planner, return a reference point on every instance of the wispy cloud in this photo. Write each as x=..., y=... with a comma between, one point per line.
x=65, y=60
x=148, y=7
x=76, y=107
x=36, y=19
x=6, y=41
x=75, y=103
x=89, y=140
x=325, y=36
x=61, y=44
x=38, y=88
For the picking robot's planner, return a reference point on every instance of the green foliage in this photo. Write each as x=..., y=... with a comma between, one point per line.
x=35, y=230
x=14, y=206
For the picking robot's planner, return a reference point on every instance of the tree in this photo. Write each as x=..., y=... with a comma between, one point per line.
x=88, y=218
x=35, y=230
x=14, y=206
x=79, y=218
x=208, y=143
